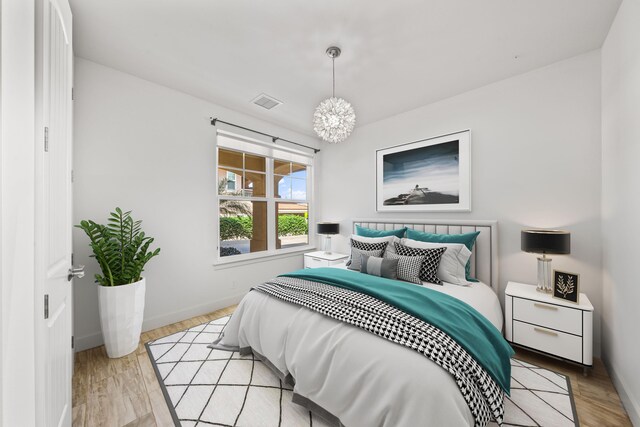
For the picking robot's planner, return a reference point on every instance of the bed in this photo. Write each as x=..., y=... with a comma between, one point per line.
x=353, y=377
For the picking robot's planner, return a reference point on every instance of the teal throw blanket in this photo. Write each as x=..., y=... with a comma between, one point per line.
x=471, y=330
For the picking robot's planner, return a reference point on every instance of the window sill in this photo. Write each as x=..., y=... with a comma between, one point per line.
x=221, y=264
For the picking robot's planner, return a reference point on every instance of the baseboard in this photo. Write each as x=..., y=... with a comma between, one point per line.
x=630, y=404
x=88, y=341
x=169, y=318
x=95, y=340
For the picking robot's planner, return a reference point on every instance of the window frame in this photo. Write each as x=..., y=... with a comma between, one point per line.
x=270, y=199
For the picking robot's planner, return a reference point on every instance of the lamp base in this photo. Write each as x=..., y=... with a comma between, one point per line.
x=327, y=244
x=544, y=275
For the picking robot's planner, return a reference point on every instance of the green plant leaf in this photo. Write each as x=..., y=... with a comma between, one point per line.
x=121, y=248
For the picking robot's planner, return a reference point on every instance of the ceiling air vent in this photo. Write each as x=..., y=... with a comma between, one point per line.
x=266, y=101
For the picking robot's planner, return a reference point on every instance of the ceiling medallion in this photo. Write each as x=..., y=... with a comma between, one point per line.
x=334, y=119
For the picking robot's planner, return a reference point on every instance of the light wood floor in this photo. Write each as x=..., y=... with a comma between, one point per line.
x=125, y=392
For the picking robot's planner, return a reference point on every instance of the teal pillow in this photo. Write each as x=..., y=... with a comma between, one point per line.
x=369, y=232
x=467, y=239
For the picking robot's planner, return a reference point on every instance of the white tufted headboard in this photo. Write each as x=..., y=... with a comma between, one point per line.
x=484, y=257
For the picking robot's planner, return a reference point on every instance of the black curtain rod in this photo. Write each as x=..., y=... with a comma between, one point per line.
x=274, y=139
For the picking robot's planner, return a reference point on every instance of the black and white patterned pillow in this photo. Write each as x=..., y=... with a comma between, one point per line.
x=408, y=267
x=363, y=246
x=429, y=270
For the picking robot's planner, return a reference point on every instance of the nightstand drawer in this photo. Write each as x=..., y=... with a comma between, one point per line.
x=312, y=262
x=548, y=315
x=553, y=342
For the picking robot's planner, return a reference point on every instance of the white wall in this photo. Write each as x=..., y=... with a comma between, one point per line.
x=17, y=198
x=621, y=204
x=147, y=148
x=535, y=163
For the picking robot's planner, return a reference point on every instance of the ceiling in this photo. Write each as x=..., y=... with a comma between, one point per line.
x=396, y=55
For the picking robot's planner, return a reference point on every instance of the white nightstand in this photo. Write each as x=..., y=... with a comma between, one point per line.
x=540, y=322
x=323, y=259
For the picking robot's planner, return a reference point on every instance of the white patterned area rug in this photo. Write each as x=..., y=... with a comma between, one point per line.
x=208, y=387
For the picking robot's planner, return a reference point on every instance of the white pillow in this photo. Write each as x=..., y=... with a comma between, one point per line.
x=391, y=240
x=453, y=261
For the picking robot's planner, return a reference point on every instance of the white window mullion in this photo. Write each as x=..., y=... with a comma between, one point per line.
x=216, y=203
x=246, y=199
x=272, y=234
x=311, y=233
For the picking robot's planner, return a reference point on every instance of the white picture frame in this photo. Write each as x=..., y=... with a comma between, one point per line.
x=440, y=167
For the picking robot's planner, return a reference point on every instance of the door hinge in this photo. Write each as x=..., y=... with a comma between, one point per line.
x=72, y=95
x=46, y=306
x=71, y=175
x=73, y=342
x=46, y=139
x=72, y=263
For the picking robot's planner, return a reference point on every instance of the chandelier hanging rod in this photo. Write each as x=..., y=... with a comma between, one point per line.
x=333, y=52
x=333, y=63
x=274, y=139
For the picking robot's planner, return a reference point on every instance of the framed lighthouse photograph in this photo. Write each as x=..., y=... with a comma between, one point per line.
x=430, y=175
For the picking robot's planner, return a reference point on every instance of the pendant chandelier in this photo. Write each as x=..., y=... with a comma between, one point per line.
x=334, y=119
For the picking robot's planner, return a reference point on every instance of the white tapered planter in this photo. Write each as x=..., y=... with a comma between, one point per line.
x=121, y=313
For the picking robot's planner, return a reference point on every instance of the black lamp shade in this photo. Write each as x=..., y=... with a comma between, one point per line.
x=546, y=241
x=328, y=228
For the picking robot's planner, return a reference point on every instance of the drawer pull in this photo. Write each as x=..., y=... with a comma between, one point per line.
x=548, y=307
x=546, y=331
x=316, y=259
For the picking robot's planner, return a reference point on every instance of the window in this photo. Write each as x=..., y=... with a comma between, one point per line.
x=231, y=181
x=263, y=198
x=292, y=217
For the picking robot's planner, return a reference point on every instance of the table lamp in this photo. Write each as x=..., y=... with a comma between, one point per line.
x=539, y=241
x=328, y=229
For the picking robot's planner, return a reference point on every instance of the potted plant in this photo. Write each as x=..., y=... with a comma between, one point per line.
x=122, y=250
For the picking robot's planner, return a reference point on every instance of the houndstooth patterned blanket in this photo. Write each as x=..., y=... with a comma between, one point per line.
x=482, y=394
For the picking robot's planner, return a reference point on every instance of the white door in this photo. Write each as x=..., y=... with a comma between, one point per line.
x=54, y=215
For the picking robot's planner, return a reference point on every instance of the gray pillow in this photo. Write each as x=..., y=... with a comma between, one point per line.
x=364, y=246
x=356, y=257
x=382, y=267
x=408, y=267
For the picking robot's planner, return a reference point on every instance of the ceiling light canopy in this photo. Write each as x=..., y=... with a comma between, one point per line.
x=334, y=119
